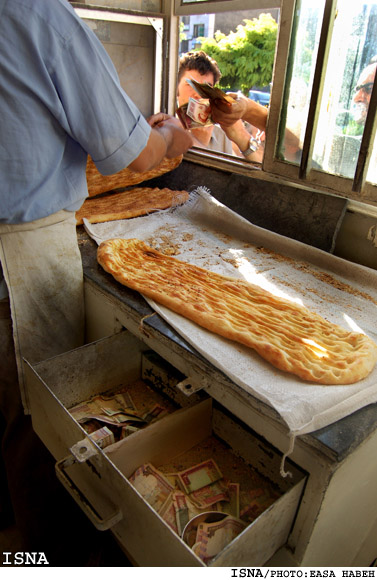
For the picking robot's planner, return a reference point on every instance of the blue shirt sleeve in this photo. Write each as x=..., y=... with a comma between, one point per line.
x=60, y=100
x=95, y=110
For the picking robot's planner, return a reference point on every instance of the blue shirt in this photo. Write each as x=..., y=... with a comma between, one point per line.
x=60, y=99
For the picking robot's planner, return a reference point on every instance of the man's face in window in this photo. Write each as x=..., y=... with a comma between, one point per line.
x=363, y=91
x=185, y=91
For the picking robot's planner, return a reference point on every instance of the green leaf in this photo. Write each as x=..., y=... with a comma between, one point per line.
x=245, y=57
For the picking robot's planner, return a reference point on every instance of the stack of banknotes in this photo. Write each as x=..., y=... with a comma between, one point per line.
x=200, y=504
x=110, y=418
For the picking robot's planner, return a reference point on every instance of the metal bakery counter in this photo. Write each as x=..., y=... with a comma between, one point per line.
x=321, y=507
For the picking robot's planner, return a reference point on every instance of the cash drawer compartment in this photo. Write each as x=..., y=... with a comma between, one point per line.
x=99, y=478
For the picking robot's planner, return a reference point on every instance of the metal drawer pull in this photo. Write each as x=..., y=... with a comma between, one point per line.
x=81, y=452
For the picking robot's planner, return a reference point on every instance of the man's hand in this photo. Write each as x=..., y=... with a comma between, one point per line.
x=244, y=108
x=158, y=119
x=226, y=114
x=167, y=139
x=178, y=140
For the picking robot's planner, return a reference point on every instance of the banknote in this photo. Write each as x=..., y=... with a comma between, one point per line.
x=178, y=510
x=118, y=410
x=173, y=479
x=193, y=510
x=82, y=412
x=128, y=430
x=210, y=494
x=199, y=475
x=111, y=405
x=213, y=537
x=207, y=91
x=152, y=485
x=232, y=505
x=120, y=419
x=181, y=510
x=103, y=437
x=126, y=400
x=199, y=110
x=157, y=412
x=188, y=122
x=168, y=513
x=107, y=409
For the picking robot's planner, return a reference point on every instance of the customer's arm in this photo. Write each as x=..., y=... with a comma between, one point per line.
x=246, y=145
x=243, y=108
x=229, y=115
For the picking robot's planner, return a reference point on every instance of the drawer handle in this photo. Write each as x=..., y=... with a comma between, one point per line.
x=189, y=386
x=100, y=523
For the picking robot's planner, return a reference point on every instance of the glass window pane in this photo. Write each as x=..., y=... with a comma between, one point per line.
x=347, y=87
x=372, y=169
x=300, y=73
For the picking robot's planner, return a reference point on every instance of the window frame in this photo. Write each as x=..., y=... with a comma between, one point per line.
x=357, y=188
x=183, y=7
x=161, y=40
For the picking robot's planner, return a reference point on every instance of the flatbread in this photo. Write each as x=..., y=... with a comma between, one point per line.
x=129, y=204
x=289, y=336
x=98, y=183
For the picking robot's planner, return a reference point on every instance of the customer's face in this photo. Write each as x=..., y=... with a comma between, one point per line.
x=185, y=91
x=363, y=91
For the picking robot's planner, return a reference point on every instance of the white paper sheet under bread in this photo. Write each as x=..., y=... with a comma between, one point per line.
x=340, y=291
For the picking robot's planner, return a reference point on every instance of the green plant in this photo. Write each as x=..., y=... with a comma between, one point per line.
x=182, y=34
x=245, y=57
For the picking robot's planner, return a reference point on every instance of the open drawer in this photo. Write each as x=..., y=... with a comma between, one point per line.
x=98, y=479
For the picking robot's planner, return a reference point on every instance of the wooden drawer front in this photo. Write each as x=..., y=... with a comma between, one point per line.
x=98, y=479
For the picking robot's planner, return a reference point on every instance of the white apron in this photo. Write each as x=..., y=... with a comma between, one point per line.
x=42, y=269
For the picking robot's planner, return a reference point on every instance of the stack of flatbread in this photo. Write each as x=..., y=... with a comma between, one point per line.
x=98, y=183
x=129, y=204
x=132, y=202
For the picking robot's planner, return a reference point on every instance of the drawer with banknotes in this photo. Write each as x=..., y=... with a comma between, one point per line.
x=178, y=480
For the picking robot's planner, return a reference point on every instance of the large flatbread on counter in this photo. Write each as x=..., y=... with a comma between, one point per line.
x=289, y=336
x=98, y=183
x=129, y=204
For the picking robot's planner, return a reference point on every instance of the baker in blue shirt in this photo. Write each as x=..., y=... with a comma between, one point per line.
x=60, y=100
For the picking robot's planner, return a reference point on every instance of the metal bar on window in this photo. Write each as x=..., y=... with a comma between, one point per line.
x=366, y=143
x=113, y=12
x=182, y=7
x=318, y=80
x=281, y=59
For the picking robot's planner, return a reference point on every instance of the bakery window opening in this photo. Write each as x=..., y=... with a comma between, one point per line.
x=233, y=51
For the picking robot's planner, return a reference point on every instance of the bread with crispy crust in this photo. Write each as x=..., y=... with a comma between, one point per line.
x=98, y=183
x=290, y=337
x=129, y=204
